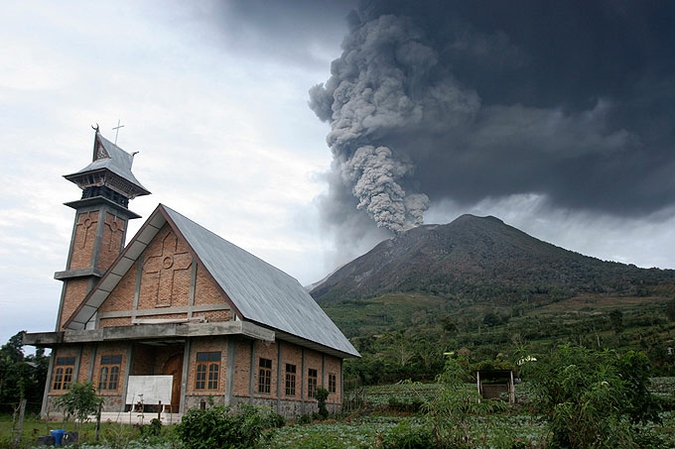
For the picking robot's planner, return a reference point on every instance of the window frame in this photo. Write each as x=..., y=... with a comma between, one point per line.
x=64, y=368
x=291, y=379
x=207, y=370
x=109, y=372
x=312, y=382
x=264, y=375
x=332, y=383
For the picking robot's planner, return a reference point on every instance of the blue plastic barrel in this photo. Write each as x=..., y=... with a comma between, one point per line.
x=58, y=435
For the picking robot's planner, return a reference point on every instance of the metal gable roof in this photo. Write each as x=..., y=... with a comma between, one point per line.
x=260, y=291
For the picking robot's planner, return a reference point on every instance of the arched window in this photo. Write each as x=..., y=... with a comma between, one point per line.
x=63, y=373
x=110, y=372
x=207, y=362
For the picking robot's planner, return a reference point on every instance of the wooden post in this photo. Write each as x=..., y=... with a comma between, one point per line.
x=159, y=411
x=98, y=421
x=512, y=390
x=22, y=412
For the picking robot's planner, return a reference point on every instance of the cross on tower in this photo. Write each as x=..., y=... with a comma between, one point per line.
x=117, y=130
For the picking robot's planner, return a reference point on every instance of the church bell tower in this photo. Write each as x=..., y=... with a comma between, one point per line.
x=101, y=218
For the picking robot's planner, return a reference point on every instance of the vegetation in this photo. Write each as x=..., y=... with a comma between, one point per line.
x=321, y=396
x=219, y=426
x=410, y=343
x=593, y=399
x=21, y=377
x=80, y=401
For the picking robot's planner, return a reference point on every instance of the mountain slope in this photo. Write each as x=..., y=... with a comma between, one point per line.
x=481, y=258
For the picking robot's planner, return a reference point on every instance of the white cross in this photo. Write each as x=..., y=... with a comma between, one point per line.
x=117, y=130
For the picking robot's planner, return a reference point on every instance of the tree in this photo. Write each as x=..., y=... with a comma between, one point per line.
x=321, y=396
x=670, y=309
x=616, y=321
x=592, y=398
x=21, y=377
x=491, y=319
x=80, y=401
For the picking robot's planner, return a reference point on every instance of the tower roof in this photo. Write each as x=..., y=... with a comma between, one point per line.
x=110, y=159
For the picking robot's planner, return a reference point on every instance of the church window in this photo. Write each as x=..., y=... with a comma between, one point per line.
x=265, y=376
x=312, y=382
x=110, y=372
x=63, y=373
x=208, y=370
x=332, y=383
x=290, y=380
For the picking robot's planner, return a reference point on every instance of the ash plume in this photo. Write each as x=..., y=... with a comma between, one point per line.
x=465, y=101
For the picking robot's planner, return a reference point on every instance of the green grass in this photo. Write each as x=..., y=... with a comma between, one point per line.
x=113, y=435
x=364, y=428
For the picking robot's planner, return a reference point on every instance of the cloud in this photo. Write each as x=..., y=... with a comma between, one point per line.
x=466, y=101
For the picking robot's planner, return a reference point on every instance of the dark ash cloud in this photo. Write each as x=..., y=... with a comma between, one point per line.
x=463, y=101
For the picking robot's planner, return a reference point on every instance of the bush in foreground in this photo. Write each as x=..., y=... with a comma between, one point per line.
x=593, y=399
x=244, y=427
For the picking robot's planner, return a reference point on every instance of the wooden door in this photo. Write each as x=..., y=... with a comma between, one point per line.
x=174, y=367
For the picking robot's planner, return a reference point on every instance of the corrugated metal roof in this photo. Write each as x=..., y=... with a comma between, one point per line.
x=118, y=162
x=260, y=291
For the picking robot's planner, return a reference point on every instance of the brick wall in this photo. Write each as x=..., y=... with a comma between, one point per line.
x=111, y=242
x=83, y=243
x=205, y=290
x=110, y=322
x=143, y=363
x=242, y=369
x=219, y=315
x=122, y=296
x=75, y=291
x=166, y=272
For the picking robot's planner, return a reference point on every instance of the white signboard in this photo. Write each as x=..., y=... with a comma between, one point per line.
x=153, y=388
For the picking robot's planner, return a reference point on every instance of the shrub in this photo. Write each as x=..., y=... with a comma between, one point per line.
x=246, y=427
x=592, y=398
x=80, y=401
x=305, y=419
x=321, y=396
x=409, y=435
x=153, y=429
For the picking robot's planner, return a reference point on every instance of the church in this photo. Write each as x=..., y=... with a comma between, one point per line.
x=180, y=317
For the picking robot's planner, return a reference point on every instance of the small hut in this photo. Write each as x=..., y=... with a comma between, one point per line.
x=492, y=384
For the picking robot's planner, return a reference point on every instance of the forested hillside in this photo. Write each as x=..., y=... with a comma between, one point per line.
x=482, y=287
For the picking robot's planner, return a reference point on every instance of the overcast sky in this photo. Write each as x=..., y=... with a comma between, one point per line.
x=307, y=131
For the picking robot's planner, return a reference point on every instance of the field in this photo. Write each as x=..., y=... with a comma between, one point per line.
x=386, y=410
